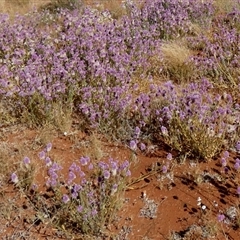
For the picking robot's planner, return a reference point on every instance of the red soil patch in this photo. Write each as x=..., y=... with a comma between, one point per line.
x=156, y=204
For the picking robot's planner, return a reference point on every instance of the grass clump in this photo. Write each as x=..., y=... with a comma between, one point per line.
x=176, y=65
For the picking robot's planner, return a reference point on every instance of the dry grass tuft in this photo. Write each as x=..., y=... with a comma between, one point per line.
x=46, y=134
x=13, y=7
x=62, y=116
x=115, y=7
x=226, y=6
x=5, y=164
x=175, y=62
x=94, y=149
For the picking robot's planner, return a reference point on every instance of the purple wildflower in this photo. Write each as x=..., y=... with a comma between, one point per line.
x=106, y=174
x=71, y=176
x=94, y=212
x=34, y=187
x=84, y=161
x=142, y=146
x=79, y=208
x=65, y=198
x=74, y=195
x=103, y=165
x=114, y=189
x=164, y=131
x=82, y=174
x=114, y=169
x=14, y=178
x=73, y=166
x=169, y=157
x=49, y=147
x=26, y=160
x=237, y=166
x=128, y=173
x=164, y=169
x=90, y=166
x=133, y=145
x=137, y=132
x=238, y=190
x=226, y=154
x=238, y=146
x=220, y=217
x=42, y=155
x=223, y=162
x=124, y=165
x=48, y=161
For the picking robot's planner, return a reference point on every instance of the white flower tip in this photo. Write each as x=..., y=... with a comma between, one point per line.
x=203, y=207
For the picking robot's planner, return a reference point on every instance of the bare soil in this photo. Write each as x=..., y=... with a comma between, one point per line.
x=156, y=205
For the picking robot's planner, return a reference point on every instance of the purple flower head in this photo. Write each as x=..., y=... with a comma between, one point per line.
x=238, y=146
x=220, y=217
x=74, y=195
x=73, y=166
x=71, y=176
x=226, y=154
x=53, y=182
x=133, y=145
x=238, y=190
x=48, y=161
x=26, y=160
x=142, y=146
x=94, y=212
x=77, y=188
x=84, y=181
x=128, y=173
x=65, y=198
x=103, y=165
x=114, y=188
x=84, y=161
x=237, y=166
x=56, y=167
x=106, y=174
x=237, y=160
x=113, y=166
x=169, y=157
x=34, y=187
x=164, y=131
x=80, y=208
x=223, y=162
x=137, y=132
x=49, y=147
x=81, y=174
x=14, y=178
x=42, y=155
x=124, y=165
x=90, y=166
x=164, y=169
x=52, y=174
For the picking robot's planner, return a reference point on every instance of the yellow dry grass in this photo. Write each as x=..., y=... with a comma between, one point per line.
x=175, y=56
x=13, y=7
x=226, y=6
x=175, y=53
